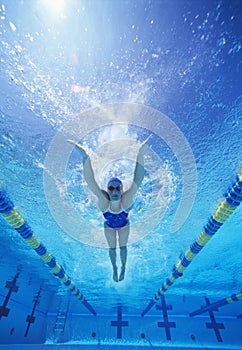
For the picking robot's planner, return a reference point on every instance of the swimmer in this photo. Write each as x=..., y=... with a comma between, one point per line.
x=115, y=204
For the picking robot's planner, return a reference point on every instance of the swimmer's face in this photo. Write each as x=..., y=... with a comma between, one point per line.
x=115, y=191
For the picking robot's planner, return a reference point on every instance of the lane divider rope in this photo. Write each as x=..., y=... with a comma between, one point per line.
x=225, y=301
x=11, y=214
x=226, y=207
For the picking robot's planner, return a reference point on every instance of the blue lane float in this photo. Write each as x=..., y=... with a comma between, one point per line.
x=11, y=214
x=213, y=306
x=226, y=207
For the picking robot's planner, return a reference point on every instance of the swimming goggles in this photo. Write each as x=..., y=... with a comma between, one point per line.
x=112, y=188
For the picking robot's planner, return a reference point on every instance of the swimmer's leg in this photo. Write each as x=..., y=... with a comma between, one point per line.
x=123, y=239
x=110, y=235
x=123, y=257
x=112, y=255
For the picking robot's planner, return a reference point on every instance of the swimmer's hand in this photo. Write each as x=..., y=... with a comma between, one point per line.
x=148, y=139
x=74, y=143
x=144, y=144
x=79, y=147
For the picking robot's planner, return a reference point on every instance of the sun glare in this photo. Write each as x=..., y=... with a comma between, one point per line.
x=55, y=6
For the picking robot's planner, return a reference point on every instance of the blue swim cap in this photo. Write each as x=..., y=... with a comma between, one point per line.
x=115, y=179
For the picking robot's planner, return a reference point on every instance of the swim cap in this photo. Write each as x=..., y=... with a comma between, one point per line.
x=115, y=179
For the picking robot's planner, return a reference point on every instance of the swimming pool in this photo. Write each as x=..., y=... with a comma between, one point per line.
x=108, y=74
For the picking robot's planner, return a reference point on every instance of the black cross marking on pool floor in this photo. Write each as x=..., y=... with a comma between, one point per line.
x=4, y=310
x=213, y=324
x=31, y=318
x=166, y=324
x=119, y=323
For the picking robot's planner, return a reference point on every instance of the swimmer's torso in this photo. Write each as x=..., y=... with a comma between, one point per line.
x=116, y=220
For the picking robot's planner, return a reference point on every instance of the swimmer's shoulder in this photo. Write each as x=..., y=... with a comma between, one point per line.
x=104, y=201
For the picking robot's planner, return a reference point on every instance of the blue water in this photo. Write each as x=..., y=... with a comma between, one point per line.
x=109, y=73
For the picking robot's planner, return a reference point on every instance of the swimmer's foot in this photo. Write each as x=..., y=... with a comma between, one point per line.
x=115, y=274
x=121, y=276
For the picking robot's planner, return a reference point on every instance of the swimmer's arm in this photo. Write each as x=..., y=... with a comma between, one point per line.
x=139, y=170
x=128, y=196
x=88, y=172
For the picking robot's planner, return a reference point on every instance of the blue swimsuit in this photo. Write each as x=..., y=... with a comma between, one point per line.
x=116, y=220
